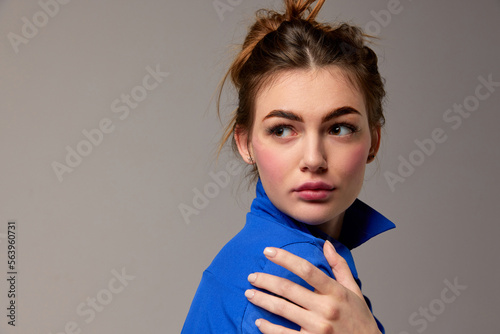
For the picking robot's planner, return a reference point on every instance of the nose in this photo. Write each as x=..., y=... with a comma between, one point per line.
x=314, y=155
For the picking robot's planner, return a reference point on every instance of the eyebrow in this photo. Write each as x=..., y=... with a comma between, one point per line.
x=345, y=110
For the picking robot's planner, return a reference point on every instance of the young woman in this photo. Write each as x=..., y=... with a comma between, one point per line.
x=308, y=122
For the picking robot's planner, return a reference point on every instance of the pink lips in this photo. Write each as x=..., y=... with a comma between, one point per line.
x=314, y=191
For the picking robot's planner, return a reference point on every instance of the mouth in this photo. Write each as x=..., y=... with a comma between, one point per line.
x=314, y=191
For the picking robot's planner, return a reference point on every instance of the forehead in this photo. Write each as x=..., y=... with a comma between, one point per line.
x=309, y=91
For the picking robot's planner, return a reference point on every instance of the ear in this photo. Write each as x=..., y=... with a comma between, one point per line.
x=375, y=132
x=241, y=138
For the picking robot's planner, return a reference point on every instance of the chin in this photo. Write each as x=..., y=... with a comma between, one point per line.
x=313, y=218
x=320, y=212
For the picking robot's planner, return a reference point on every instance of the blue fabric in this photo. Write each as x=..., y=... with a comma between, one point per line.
x=220, y=306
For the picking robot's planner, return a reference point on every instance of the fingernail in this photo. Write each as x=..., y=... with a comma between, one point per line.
x=249, y=294
x=330, y=245
x=252, y=278
x=258, y=322
x=270, y=252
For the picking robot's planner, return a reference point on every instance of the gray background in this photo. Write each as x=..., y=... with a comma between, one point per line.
x=118, y=210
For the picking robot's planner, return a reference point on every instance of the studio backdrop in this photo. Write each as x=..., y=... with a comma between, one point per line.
x=112, y=202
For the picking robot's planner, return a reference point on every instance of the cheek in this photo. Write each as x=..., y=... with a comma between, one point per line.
x=270, y=162
x=354, y=161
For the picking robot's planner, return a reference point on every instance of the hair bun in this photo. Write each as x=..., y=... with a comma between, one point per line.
x=269, y=21
x=297, y=9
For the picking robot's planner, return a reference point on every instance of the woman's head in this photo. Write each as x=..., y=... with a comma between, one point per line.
x=293, y=40
x=292, y=52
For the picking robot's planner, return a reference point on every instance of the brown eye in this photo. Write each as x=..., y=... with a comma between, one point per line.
x=281, y=131
x=335, y=130
x=342, y=129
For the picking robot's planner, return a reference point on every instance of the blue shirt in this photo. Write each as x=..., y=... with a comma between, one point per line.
x=220, y=306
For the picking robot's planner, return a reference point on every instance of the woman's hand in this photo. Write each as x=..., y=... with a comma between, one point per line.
x=336, y=306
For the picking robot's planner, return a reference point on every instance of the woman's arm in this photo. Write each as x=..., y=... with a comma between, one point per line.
x=336, y=306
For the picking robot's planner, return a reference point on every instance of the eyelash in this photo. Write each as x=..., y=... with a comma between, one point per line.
x=274, y=129
x=352, y=128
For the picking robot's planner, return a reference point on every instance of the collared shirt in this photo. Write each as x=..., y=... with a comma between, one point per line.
x=220, y=306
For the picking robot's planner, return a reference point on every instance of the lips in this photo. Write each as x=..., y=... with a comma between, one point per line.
x=314, y=191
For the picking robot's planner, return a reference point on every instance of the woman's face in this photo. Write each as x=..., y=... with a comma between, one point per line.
x=311, y=141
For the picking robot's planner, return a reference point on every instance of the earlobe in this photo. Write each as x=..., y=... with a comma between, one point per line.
x=375, y=144
x=241, y=139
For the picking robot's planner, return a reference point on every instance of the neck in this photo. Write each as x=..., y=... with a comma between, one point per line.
x=333, y=227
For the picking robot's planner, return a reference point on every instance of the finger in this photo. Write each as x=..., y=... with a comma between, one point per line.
x=281, y=307
x=285, y=288
x=267, y=327
x=300, y=267
x=341, y=269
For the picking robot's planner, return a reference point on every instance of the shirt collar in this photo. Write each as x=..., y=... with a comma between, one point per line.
x=361, y=222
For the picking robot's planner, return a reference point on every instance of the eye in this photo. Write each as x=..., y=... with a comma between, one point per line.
x=342, y=129
x=281, y=131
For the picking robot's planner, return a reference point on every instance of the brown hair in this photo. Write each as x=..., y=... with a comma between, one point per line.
x=295, y=40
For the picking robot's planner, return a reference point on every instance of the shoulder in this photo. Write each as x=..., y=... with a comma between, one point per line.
x=311, y=251
x=244, y=252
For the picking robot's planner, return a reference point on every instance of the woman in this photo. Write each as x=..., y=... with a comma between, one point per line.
x=308, y=122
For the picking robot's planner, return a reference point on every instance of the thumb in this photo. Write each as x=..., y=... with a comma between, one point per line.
x=340, y=269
